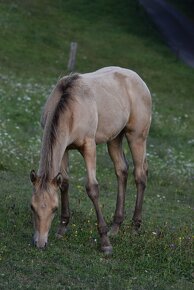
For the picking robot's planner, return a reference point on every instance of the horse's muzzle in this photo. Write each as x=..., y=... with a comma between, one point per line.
x=40, y=244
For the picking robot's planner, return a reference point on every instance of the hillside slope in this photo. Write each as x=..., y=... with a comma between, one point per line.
x=34, y=50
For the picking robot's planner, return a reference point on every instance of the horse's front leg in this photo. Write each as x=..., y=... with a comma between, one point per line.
x=89, y=154
x=65, y=212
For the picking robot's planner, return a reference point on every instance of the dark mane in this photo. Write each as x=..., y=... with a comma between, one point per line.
x=64, y=86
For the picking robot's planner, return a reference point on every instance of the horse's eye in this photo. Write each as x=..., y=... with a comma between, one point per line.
x=54, y=209
x=32, y=208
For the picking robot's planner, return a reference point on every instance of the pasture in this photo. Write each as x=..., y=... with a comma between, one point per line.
x=34, y=51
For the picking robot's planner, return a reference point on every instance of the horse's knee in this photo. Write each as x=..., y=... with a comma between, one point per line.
x=140, y=178
x=92, y=190
x=122, y=171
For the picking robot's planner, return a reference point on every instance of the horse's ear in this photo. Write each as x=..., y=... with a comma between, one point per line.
x=33, y=176
x=58, y=180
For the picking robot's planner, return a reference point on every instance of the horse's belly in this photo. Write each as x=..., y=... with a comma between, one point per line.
x=110, y=125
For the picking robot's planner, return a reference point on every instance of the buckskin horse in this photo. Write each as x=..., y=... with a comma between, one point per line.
x=82, y=111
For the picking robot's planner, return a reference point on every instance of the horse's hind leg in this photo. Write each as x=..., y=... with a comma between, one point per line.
x=121, y=169
x=137, y=145
x=65, y=213
x=89, y=154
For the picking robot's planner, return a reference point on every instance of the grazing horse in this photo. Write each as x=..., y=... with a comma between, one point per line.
x=82, y=111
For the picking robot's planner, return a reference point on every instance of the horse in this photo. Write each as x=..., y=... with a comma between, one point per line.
x=82, y=111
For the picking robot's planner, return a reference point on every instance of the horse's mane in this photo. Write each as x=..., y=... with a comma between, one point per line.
x=64, y=87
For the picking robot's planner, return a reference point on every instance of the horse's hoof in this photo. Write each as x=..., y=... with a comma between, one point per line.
x=107, y=250
x=113, y=231
x=61, y=232
x=136, y=227
x=59, y=236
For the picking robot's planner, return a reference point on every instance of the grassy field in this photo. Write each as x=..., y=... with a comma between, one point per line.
x=34, y=49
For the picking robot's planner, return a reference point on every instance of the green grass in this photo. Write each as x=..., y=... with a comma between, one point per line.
x=34, y=51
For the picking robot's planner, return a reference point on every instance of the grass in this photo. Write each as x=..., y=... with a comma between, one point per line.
x=34, y=52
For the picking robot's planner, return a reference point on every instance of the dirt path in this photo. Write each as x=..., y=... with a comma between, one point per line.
x=177, y=30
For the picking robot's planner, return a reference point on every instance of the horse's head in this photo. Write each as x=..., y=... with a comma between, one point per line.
x=44, y=204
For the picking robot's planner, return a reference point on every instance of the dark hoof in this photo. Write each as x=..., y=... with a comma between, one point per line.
x=136, y=227
x=59, y=236
x=114, y=230
x=61, y=232
x=107, y=250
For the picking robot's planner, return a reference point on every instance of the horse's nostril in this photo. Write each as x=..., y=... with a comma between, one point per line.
x=43, y=247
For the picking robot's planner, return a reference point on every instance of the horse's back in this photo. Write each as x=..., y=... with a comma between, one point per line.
x=122, y=99
x=119, y=85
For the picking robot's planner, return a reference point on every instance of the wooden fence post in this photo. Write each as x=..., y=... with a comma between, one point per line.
x=72, y=56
